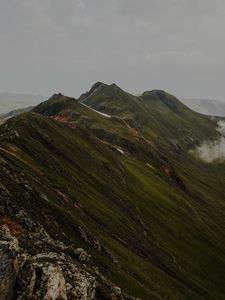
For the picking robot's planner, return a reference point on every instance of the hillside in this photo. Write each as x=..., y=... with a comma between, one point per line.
x=115, y=206
x=207, y=107
x=159, y=115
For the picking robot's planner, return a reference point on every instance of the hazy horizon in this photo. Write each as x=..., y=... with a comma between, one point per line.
x=77, y=96
x=66, y=46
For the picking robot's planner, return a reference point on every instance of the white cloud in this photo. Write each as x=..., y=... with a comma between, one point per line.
x=213, y=151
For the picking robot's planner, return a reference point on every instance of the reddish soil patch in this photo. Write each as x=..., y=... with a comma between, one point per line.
x=14, y=228
x=63, y=117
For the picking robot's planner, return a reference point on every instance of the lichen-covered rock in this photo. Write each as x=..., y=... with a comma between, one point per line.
x=55, y=283
x=44, y=276
x=8, y=272
x=116, y=291
x=50, y=275
x=10, y=263
x=84, y=286
x=79, y=253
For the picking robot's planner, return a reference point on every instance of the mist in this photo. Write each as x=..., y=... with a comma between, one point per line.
x=213, y=151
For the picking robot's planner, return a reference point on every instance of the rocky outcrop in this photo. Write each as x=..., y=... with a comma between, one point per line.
x=65, y=273
x=10, y=263
x=47, y=276
x=58, y=280
x=96, y=87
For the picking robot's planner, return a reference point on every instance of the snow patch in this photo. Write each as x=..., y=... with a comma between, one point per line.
x=98, y=112
x=150, y=166
x=120, y=150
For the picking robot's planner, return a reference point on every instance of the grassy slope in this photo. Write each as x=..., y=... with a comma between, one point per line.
x=168, y=240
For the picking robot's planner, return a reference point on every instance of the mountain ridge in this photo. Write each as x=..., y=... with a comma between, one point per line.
x=126, y=190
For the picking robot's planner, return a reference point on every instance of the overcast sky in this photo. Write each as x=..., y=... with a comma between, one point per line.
x=49, y=46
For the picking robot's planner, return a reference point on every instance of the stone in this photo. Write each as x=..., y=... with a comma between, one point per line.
x=8, y=271
x=55, y=286
x=116, y=291
x=10, y=262
x=81, y=254
x=45, y=275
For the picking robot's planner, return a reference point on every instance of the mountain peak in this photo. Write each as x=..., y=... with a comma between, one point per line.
x=99, y=86
x=95, y=87
x=157, y=93
x=54, y=104
x=165, y=98
x=56, y=96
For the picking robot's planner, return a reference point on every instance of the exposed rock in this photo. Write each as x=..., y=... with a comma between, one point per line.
x=110, y=255
x=80, y=254
x=44, y=276
x=10, y=263
x=55, y=286
x=78, y=251
x=8, y=271
x=96, y=87
x=84, y=287
x=89, y=238
x=116, y=291
x=51, y=271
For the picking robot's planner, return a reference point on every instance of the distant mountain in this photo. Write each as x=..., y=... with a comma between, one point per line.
x=110, y=205
x=11, y=101
x=207, y=107
x=13, y=113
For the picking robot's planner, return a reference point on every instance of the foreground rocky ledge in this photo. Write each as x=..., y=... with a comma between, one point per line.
x=60, y=275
